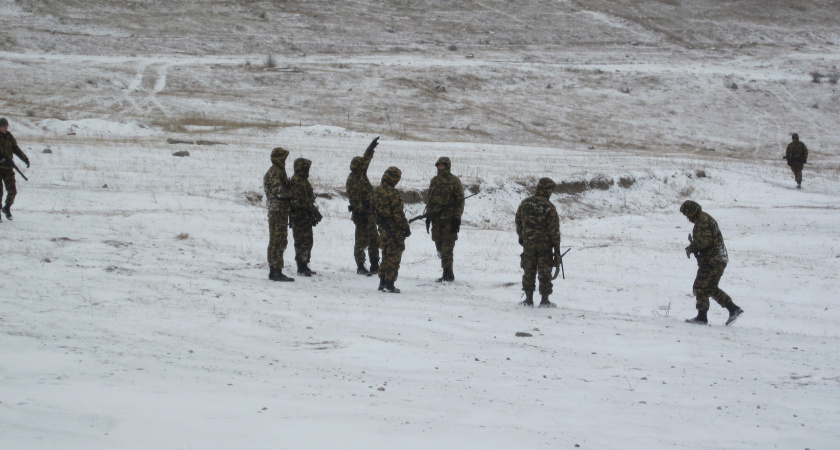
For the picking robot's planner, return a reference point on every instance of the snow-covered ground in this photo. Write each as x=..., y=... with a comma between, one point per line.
x=135, y=309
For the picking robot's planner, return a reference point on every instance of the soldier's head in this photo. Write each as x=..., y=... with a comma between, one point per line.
x=690, y=210
x=391, y=176
x=795, y=137
x=4, y=124
x=443, y=164
x=356, y=164
x=302, y=166
x=279, y=155
x=545, y=187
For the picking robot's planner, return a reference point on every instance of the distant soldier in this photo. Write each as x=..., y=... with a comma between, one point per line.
x=8, y=148
x=796, y=155
x=278, y=197
x=706, y=243
x=304, y=215
x=538, y=228
x=393, y=228
x=445, y=208
x=360, y=193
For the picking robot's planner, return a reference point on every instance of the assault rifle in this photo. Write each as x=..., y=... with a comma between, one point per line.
x=11, y=163
x=558, y=262
x=428, y=215
x=690, y=241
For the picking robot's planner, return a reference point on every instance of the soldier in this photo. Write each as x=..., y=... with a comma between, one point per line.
x=393, y=228
x=445, y=208
x=360, y=192
x=709, y=250
x=796, y=155
x=538, y=228
x=278, y=196
x=8, y=148
x=304, y=215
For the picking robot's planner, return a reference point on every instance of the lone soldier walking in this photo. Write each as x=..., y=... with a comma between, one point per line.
x=709, y=250
x=278, y=197
x=796, y=155
x=360, y=193
x=393, y=228
x=538, y=228
x=8, y=148
x=304, y=215
x=445, y=208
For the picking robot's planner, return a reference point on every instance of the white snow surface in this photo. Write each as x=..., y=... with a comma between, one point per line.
x=136, y=310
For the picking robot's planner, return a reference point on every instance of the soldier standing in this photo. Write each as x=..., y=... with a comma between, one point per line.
x=538, y=228
x=445, y=208
x=8, y=148
x=360, y=193
x=278, y=196
x=709, y=250
x=393, y=228
x=796, y=155
x=304, y=215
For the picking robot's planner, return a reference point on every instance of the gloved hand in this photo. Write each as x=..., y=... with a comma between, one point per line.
x=456, y=226
x=407, y=232
x=373, y=143
x=688, y=252
x=26, y=161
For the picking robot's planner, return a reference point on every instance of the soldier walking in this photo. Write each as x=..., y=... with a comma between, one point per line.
x=278, y=197
x=304, y=215
x=706, y=244
x=8, y=149
x=393, y=228
x=445, y=208
x=360, y=193
x=538, y=228
x=796, y=155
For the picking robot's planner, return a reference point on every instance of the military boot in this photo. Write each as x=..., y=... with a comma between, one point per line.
x=389, y=287
x=442, y=278
x=303, y=270
x=280, y=276
x=529, y=299
x=7, y=211
x=272, y=273
x=381, y=285
x=374, y=266
x=360, y=270
x=734, y=313
x=450, y=276
x=544, y=303
x=701, y=319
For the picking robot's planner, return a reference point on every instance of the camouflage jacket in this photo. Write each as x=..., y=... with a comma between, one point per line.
x=446, y=195
x=303, y=197
x=359, y=188
x=278, y=189
x=708, y=241
x=388, y=206
x=796, y=153
x=537, y=221
x=9, y=148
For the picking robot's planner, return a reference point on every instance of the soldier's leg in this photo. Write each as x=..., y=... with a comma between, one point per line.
x=277, y=240
x=797, y=173
x=11, y=189
x=528, y=262
x=303, y=242
x=447, y=249
x=715, y=273
x=373, y=246
x=386, y=269
x=362, y=238
x=544, y=257
x=701, y=288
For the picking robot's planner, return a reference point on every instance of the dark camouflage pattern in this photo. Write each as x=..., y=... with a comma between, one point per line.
x=796, y=155
x=304, y=213
x=709, y=249
x=445, y=207
x=278, y=195
x=393, y=225
x=538, y=228
x=8, y=149
x=360, y=194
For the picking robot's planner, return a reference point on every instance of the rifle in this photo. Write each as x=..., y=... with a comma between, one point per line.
x=691, y=241
x=427, y=215
x=11, y=163
x=558, y=262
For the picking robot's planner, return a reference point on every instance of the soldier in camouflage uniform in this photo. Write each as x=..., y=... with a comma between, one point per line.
x=796, y=155
x=445, y=208
x=359, y=192
x=706, y=244
x=393, y=228
x=304, y=215
x=8, y=148
x=278, y=197
x=538, y=228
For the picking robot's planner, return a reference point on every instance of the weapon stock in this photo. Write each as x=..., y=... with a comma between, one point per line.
x=427, y=215
x=559, y=263
x=11, y=163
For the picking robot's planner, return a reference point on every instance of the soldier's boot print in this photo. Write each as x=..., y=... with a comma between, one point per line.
x=529, y=299
x=7, y=211
x=389, y=287
x=442, y=277
x=734, y=313
x=374, y=266
x=701, y=318
x=544, y=303
x=360, y=270
x=304, y=270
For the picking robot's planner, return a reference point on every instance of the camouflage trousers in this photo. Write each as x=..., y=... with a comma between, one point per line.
x=392, y=250
x=278, y=238
x=444, y=235
x=7, y=177
x=706, y=285
x=367, y=237
x=302, y=232
x=797, y=172
x=537, y=261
